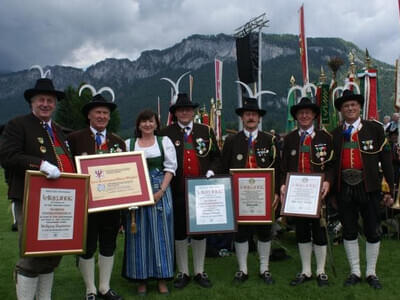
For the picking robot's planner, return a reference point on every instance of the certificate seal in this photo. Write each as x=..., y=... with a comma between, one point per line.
x=239, y=156
x=293, y=152
x=101, y=187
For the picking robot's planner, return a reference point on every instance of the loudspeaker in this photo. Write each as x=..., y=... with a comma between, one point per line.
x=247, y=57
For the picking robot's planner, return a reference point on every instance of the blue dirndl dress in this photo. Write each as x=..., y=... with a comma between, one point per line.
x=149, y=253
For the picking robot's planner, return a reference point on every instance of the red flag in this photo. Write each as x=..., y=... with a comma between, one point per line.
x=303, y=47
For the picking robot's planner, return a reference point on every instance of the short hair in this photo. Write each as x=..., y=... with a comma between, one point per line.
x=145, y=115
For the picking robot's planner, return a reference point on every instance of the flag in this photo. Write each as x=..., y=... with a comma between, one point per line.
x=303, y=47
x=334, y=116
x=290, y=123
x=397, y=85
x=191, y=80
x=369, y=88
x=218, y=102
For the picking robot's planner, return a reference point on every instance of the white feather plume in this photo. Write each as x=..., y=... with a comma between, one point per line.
x=42, y=74
x=87, y=86
x=107, y=89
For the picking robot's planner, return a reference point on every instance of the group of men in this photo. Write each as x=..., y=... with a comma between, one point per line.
x=352, y=154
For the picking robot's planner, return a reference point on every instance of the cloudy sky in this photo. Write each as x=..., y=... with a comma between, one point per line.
x=82, y=32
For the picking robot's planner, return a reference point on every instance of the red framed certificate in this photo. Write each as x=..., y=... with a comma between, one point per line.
x=117, y=180
x=55, y=214
x=253, y=193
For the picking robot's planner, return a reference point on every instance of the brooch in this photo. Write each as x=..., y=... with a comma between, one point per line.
x=367, y=145
x=201, y=146
x=115, y=149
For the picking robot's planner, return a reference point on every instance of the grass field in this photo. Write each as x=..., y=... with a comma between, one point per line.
x=69, y=285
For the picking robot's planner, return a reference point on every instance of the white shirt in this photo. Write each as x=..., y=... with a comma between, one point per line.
x=308, y=130
x=170, y=162
x=355, y=125
x=254, y=133
x=102, y=135
x=190, y=126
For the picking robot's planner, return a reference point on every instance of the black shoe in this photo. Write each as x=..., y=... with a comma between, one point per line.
x=202, y=280
x=110, y=295
x=90, y=296
x=181, y=280
x=14, y=227
x=373, y=281
x=353, y=279
x=240, y=277
x=267, y=278
x=322, y=280
x=300, y=278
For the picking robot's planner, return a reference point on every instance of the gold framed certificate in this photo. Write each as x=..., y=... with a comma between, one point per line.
x=117, y=180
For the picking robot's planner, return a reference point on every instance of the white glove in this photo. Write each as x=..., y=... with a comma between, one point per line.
x=51, y=170
x=209, y=173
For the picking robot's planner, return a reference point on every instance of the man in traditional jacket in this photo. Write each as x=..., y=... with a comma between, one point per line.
x=103, y=226
x=309, y=150
x=252, y=148
x=361, y=149
x=198, y=155
x=34, y=142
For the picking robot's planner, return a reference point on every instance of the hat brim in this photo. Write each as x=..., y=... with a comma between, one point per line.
x=28, y=94
x=174, y=107
x=295, y=108
x=339, y=101
x=239, y=111
x=89, y=106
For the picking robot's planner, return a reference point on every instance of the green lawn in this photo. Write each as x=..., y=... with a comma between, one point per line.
x=69, y=285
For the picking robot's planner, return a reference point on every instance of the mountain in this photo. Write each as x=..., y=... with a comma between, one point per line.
x=137, y=83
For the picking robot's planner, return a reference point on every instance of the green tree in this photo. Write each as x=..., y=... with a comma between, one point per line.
x=69, y=111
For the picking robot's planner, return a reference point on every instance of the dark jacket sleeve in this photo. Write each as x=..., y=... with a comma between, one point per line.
x=12, y=149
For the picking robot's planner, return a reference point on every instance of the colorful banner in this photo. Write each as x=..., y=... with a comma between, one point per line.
x=325, y=106
x=369, y=88
x=303, y=47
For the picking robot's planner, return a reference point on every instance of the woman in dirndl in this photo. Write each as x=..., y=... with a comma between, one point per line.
x=149, y=252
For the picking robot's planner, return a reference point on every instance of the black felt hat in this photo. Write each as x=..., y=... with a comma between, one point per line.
x=304, y=103
x=348, y=96
x=43, y=86
x=182, y=101
x=249, y=104
x=98, y=100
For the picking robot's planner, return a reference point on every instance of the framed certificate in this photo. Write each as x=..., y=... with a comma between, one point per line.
x=253, y=193
x=209, y=205
x=303, y=195
x=55, y=214
x=117, y=180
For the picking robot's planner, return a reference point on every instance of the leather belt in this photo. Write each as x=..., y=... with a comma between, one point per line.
x=352, y=176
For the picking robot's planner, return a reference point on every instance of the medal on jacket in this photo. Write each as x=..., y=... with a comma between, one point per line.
x=40, y=140
x=177, y=143
x=43, y=149
x=367, y=145
x=239, y=156
x=293, y=152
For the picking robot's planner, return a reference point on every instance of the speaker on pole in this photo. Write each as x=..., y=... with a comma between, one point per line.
x=247, y=57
